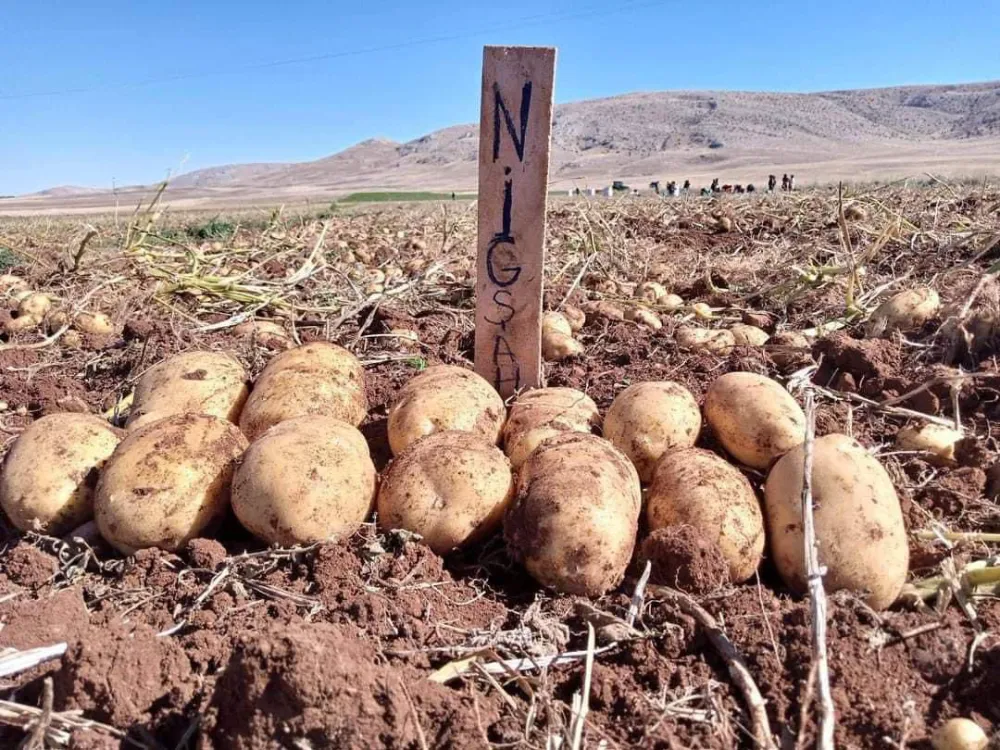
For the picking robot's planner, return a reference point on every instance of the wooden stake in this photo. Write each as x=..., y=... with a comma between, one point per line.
x=514, y=131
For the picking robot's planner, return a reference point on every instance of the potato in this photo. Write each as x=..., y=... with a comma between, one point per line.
x=542, y=413
x=754, y=418
x=48, y=478
x=575, y=316
x=959, y=734
x=305, y=480
x=788, y=348
x=649, y=419
x=672, y=302
x=266, y=333
x=451, y=487
x=644, y=317
x=859, y=525
x=650, y=292
x=442, y=398
x=703, y=311
x=697, y=488
x=168, y=482
x=558, y=346
x=719, y=341
x=35, y=304
x=604, y=311
x=746, y=335
x=193, y=382
x=936, y=441
x=557, y=323
x=97, y=324
x=11, y=284
x=22, y=323
x=906, y=311
x=316, y=378
x=575, y=516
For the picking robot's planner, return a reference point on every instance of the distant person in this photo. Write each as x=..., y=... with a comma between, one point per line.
x=791, y=182
x=672, y=189
x=750, y=188
x=784, y=183
x=705, y=192
x=687, y=186
x=772, y=182
x=715, y=185
x=453, y=196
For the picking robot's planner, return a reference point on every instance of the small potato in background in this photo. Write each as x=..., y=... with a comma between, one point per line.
x=450, y=487
x=193, y=382
x=49, y=474
x=649, y=419
x=445, y=397
x=168, y=482
x=317, y=378
x=305, y=480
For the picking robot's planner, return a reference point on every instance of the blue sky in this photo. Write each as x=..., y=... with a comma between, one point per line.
x=92, y=92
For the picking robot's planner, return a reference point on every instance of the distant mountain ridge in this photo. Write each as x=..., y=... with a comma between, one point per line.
x=852, y=134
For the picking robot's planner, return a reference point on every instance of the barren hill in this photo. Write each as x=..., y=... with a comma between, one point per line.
x=739, y=136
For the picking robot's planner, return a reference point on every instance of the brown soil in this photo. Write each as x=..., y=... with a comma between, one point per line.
x=229, y=645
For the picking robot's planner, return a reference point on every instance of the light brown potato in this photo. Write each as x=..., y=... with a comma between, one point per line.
x=746, y=335
x=442, y=398
x=168, y=482
x=906, y=311
x=35, y=304
x=266, y=333
x=754, y=418
x=316, y=378
x=557, y=323
x=644, y=317
x=193, y=382
x=604, y=311
x=788, y=348
x=960, y=734
x=557, y=338
x=859, y=525
x=575, y=515
x=305, y=480
x=672, y=302
x=697, y=488
x=702, y=310
x=935, y=441
x=577, y=318
x=97, y=324
x=542, y=413
x=648, y=420
x=22, y=323
x=451, y=487
x=49, y=474
x=651, y=292
x=714, y=341
x=11, y=284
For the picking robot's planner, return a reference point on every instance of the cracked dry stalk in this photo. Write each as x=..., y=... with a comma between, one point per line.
x=817, y=595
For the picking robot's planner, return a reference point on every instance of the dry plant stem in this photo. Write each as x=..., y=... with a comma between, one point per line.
x=756, y=705
x=897, y=410
x=817, y=595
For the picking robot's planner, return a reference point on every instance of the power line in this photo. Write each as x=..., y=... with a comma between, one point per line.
x=540, y=19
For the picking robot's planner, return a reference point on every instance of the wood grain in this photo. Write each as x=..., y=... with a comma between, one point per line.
x=514, y=133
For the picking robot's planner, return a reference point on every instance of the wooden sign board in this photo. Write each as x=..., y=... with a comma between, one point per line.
x=515, y=126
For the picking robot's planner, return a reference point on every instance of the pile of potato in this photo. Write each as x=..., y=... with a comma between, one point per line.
x=287, y=457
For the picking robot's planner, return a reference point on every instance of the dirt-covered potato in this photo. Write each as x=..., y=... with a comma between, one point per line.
x=906, y=311
x=305, y=480
x=442, y=398
x=746, y=335
x=194, y=382
x=788, y=349
x=451, y=487
x=650, y=292
x=557, y=323
x=575, y=516
x=702, y=310
x=168, y=482
x=697, y=488
x=96, y=324
x=859, y=524
x=266, y=333
x=754, y=418
x=671, y=302
x=715, y=341
x=49, y=474
x=935, y=441
x=542, y=413
x=316, y=378
x=644, y=317
x=576, y=317
x=34, y=304
x=649, y=419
